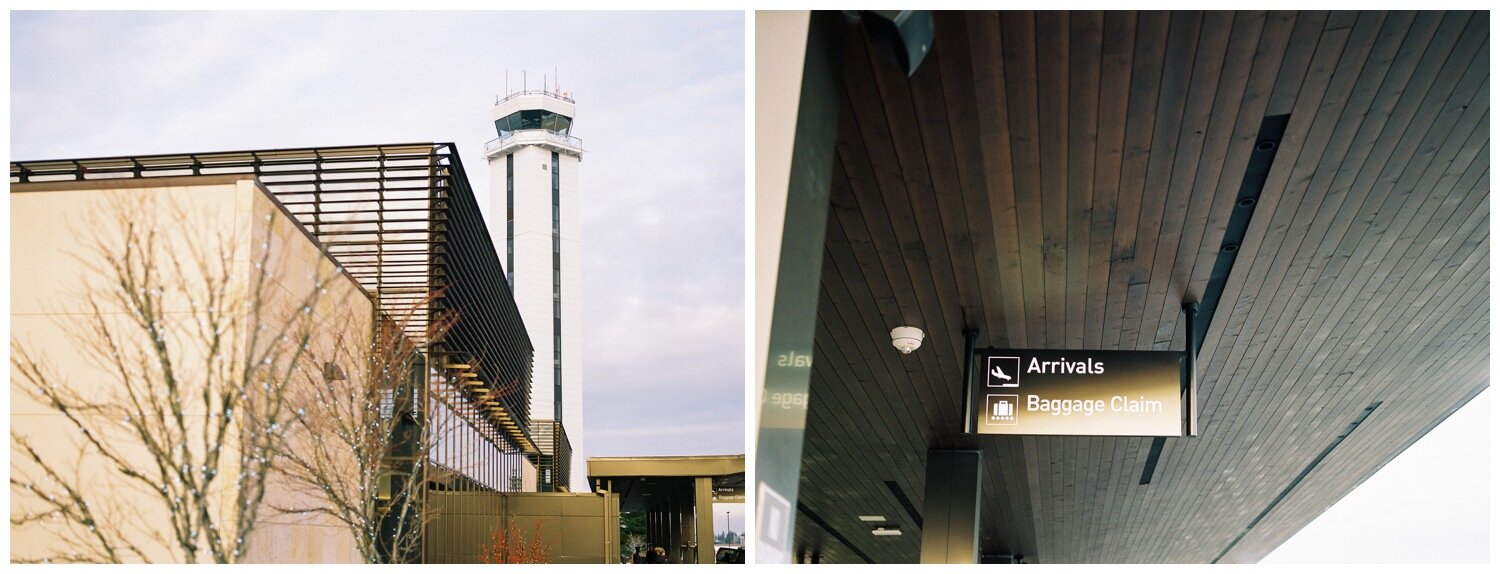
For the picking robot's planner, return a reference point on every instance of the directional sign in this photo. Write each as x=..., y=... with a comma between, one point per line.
x=1073, y=392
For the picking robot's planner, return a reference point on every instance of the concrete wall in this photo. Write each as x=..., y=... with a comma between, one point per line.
x=60, y=232
x=578, y=528
x=572, y=317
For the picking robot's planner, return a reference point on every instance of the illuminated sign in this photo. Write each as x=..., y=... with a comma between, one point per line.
x=1073, y=392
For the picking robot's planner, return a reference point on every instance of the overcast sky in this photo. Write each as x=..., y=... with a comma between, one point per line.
x=660, y=110
x=1429, y=505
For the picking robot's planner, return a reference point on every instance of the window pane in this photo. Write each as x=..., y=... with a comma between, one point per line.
x=533, y=120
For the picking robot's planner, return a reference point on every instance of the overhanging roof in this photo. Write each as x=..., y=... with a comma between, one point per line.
x=689, y=466
x=642, y=481
x=1065, y=181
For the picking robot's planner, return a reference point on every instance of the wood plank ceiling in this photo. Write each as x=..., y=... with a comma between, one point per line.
x=1064, y=181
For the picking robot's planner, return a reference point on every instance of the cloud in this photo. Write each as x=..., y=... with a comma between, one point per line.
x=660, y=109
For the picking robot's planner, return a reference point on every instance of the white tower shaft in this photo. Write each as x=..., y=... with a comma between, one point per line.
x=534, y=202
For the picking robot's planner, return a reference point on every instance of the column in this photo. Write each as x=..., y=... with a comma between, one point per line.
x=703, y=509
x=950, y=507
x=798, y=90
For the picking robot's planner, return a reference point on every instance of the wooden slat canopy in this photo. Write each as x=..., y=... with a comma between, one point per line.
x=1064, y=180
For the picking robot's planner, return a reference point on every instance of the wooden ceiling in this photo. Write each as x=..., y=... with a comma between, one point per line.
x=1064, y=181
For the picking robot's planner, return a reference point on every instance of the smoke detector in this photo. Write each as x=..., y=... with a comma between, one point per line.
x=906, y=339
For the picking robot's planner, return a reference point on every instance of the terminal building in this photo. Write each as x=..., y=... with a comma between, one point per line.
x=534, y=192
x=1315, y=184
x=390, y=230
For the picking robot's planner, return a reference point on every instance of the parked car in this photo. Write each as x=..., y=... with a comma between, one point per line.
x=729, y=555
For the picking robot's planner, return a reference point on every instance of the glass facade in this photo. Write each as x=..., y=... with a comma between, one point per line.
x=533, y=120
x=510, y=220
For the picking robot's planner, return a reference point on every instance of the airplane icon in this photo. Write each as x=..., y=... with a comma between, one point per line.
x=999, y=369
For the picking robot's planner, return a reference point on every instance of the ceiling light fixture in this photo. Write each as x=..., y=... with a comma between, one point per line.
x=871, y=518
x=886, y=531
x=906, y=339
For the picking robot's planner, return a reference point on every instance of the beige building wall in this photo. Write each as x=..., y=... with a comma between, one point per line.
x=60, y=233
x=528, y=474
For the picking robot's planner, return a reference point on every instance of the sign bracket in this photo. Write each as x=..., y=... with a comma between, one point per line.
x=1190, y=374
x=971, y=337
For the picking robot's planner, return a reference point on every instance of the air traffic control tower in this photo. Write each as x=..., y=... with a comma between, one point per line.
x=534, y=187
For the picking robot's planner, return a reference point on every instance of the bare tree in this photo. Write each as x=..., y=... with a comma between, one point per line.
x=175, y=385
x=357, y=448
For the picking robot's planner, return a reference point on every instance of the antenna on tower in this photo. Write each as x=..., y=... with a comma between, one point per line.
x=523, y=80
x=507, y=82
